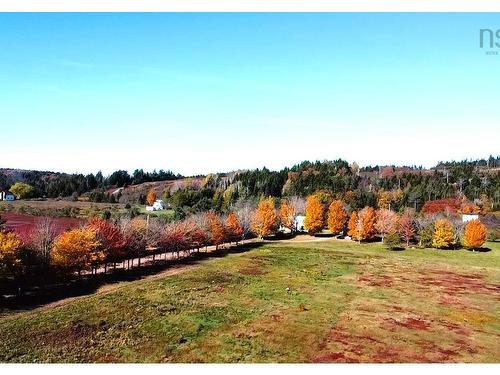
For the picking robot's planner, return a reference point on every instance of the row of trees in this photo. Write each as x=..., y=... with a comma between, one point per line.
x=323, y=212
x=100, y=243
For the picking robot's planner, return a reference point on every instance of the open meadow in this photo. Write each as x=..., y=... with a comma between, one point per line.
x=300, y=300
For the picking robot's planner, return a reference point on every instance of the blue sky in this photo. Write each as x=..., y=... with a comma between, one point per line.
x=199, y=93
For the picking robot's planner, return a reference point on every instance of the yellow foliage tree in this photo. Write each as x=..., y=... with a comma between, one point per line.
x=444, y=236
x=337, y=217
x=384, y=198
x=151, y=198
x=315, y=216
x=265, y=220
x=10, y=248
x=76, y=250
x=474, y=234
x=287, y=215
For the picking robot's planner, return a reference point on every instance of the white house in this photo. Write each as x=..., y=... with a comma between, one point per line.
x=468, y=217
x=158, y=205
x=7, y=196
x=299, y=223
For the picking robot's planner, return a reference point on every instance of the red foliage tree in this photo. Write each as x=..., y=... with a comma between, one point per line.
x=110, y=238
x=441, y=205
x=386, y=221
x=407, y=227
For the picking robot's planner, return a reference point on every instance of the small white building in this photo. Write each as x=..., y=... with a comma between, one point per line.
x=158, y=205
x=468, y=217
x=299, y=223
x=7, y=196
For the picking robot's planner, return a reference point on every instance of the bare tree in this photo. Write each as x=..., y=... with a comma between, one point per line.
x=298, y=204
x=41, y=238
x=245, y=212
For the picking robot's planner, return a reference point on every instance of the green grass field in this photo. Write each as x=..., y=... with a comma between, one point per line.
x=289, y=301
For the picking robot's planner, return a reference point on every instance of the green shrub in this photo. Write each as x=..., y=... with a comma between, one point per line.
x=392, y=241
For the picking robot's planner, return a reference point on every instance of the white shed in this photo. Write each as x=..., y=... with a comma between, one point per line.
x=468, y=217
x=299, y=223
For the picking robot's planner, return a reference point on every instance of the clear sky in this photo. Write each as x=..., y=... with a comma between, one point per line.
x=198, y=93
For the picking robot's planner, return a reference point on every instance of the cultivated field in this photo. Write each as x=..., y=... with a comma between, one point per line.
x=287, y=301
x=60, y=208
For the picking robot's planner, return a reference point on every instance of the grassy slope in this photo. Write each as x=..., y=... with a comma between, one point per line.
x=283, y=302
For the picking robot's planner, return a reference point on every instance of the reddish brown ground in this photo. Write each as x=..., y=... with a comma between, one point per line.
x=22, y=224
x=403, y=314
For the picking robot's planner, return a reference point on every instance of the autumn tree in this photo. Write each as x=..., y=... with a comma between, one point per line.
x=315, y=216
x=352, y=226
x=10, y=253
x=384, y=199
x=76, y=250
x=366, y=223
x=337, y=217
x=22, y=190
x=386, y=222
x=135, y=236
x=486, y=204
x=217, y=230
x=234, y=229
x=174, y=238
x=407, y=226
x=111, y=241
x=387, y=199
x=444, y=236
x=201, y=235
x=475, y=234
x=265, y=220
x=151, y=197
x=287, y=215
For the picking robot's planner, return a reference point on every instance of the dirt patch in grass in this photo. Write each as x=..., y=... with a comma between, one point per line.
x=411, y=323
x=252, y=270
x=434, y=315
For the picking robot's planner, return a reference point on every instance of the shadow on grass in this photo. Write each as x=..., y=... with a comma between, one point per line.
x=396, y=248
x=88, y=284
x=479, y=250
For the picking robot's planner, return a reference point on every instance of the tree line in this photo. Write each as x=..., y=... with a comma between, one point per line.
x=100, y=244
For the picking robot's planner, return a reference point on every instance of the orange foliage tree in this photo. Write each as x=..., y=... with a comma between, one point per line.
x=10, y=251
x=474, y=234
x=337, y=217
x=352, y=226
x=386, y=222
x=151, y=198
x=470, y=208
x=315, y=216
x=444, y=235
x=366, y=224
x=287, y=215
x=76, y=250
x=265, y=220
x=234, y=229
x=217, y=230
